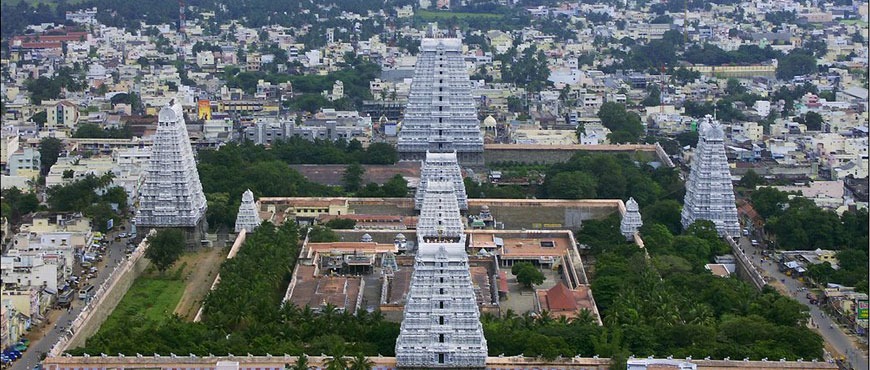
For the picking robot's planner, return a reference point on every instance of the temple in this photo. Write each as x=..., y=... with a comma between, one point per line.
x=709, y=192
x=441, y=167
x=247, y=218
x=441, y=325
x=441, y=114
x=631, y=221
x=172, y=194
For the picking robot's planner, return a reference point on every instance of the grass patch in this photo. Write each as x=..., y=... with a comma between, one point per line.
x=151, y=299
x=433, y=15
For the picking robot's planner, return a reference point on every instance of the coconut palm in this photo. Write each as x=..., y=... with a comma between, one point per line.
x=301, y=363
x=337, y=362
x=361, y=362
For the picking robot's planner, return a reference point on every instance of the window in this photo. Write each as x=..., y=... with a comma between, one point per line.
x=441, y=318
x=440, y=338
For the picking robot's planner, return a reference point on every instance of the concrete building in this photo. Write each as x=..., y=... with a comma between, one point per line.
x=709, y=191
x=9, y=143
x=63, y=114
x=25, y=163
x=441, y=115
x=172, y=194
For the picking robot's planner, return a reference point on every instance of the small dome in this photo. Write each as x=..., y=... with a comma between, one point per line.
x=489, y=122
x=484, y=208
x=366, y=238
x=248, y=196
x=400, y=236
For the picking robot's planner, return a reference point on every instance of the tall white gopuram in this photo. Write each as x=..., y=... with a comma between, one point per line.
x=248, y=218
x=172, y=194
x=709, y=192
x=441, y=167
x=631, y=221
x=441, y=326
x=441, y=115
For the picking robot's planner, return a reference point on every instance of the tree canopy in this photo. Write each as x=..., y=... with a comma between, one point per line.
x=164, y=248
x=623, y=124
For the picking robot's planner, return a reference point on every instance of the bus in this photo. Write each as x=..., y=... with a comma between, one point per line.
x=86, y=292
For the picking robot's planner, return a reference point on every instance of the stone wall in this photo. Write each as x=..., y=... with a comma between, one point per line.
x=494, y=153
x=280, y=362
x=745, y=269
x=106, y=298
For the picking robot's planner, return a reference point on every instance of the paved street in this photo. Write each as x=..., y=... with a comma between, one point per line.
x=832, y=333
x=114, y=254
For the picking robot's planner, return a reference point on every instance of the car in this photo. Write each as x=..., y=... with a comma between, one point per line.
x=754, y=243
x=122, y=235
x=745, y=232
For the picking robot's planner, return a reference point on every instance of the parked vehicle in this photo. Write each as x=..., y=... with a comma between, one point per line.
x=754, y=243
x=86, y=292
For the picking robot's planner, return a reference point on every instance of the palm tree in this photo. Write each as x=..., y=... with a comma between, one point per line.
x=361, y=362
x=337, y=362
x=301, y=363
x=584, y=317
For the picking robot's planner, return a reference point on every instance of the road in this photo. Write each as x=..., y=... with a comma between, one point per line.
x=828, y=328
x=114, y=255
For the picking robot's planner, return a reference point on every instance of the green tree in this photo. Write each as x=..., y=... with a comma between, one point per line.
x=624, y=124
x=768, y=201
x=39, y=118
x=353, y=176
x=301, y=364
x=49, y=149
x=527, y=274
x=336, y=362
x=17, y=203
x=221, y=212
x=341, y=224
x=814, y=121
x=798, y=62
x=164, y=248
x=653, y=97
x=396, y=187
x=322, y=234
x=361, y=362
x=571, y=185
x=665, y=212
x=750, y=180
x=380, y=153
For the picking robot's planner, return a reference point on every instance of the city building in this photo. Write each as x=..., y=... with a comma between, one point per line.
x=172, y=195
x=441, y=115
x=709, y=191
x=63, y=114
